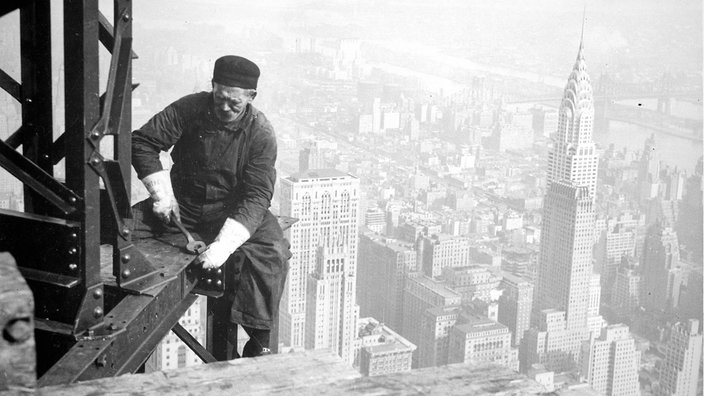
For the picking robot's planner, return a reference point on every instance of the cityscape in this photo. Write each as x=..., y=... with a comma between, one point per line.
x=474, y=182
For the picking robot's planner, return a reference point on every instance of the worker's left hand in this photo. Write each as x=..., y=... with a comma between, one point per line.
x=215, y=255
x=232, y=235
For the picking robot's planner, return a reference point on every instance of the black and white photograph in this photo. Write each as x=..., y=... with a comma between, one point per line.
x=351, y=197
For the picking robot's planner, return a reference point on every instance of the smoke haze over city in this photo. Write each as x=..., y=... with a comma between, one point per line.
x=517, y=182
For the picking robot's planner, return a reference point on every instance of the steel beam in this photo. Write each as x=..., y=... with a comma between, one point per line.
x=37, y=107
x=10, y=86
x=193, y=344
x=37, y=179
x=133, y=327
x=15, y=140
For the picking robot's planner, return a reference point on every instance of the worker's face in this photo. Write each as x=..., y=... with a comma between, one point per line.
x=230, y=102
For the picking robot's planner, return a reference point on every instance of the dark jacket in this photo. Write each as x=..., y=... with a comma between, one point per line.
x=222, y=170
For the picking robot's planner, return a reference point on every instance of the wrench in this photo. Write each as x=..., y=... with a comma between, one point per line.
x=193, y=246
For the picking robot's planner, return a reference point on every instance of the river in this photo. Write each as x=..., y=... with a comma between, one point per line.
x=672, y=150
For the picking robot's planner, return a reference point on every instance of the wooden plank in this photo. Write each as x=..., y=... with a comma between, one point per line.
x=453, y=379
x=17, y=347
x=273, y=374
x=307, y=373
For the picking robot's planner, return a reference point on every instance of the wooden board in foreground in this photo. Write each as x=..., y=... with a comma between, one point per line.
x=306, y=373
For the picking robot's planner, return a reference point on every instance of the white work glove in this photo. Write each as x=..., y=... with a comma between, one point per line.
x=159, y=186
x=232, y=235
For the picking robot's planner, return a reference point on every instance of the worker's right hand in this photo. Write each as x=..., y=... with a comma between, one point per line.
x=159, y=186
x=165, y=208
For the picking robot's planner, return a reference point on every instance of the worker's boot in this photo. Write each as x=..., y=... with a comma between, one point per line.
x=258, y=344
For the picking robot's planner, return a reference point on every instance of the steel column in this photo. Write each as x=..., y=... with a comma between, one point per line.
x=37, y=123
x=82, y=113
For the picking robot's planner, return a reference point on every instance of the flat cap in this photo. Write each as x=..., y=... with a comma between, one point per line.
x=236, y=71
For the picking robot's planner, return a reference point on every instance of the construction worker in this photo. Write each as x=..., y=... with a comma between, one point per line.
x=220, y=186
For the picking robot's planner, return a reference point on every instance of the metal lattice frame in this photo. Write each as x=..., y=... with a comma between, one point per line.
x=87, y=325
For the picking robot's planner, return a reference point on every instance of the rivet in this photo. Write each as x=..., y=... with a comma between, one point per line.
x=28, y=100
x=208, y=281
x=126, y=231
x=95, y=160
x=98, y=312
x=72, y=267
x=218, y=283
x=95, y=134
x=126, y=273
x=72, y=200
x=219, y=271
x=126, y=258
x=98, y=293
x=126, y=17
x=72, y=250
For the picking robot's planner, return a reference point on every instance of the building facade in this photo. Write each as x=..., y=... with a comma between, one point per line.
x=477, y=339
x=515, y=305
x=679, y=372
x=661, y=279
x=381, y=277
x=326, y=202
x=379, y=350
x=422, y=294
x=610, y=362
x=438, y=251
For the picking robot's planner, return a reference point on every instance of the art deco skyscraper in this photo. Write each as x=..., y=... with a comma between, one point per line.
x=324, y=240
x=565, y=263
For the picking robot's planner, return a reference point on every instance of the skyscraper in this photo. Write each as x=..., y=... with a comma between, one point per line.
x=662, y=277
x=565, y=264
x=326, y=202
x=515, y=304
x=381, y=277
x=610, y=362
x=429, y=308
x=679, y=372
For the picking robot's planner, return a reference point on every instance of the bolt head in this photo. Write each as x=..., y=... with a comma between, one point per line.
x=72, y=266
x=126, y=257
x=126, y=273
x=208, y=281
x=97, y=293
x=218, y=283
x=72, y=251
x=98, y=312
x=95, y=134
x=73, y=201
x=126, y=231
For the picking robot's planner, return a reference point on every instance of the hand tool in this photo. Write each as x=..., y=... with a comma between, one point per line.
x=193, y=246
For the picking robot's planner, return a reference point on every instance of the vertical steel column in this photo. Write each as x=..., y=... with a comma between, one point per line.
x=35, y=36
x=123, y=138
x=82, y=112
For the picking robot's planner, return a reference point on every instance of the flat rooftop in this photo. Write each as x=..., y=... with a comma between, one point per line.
x=318, y=174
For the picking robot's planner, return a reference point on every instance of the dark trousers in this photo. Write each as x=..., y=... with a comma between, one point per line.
x=254, y=287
